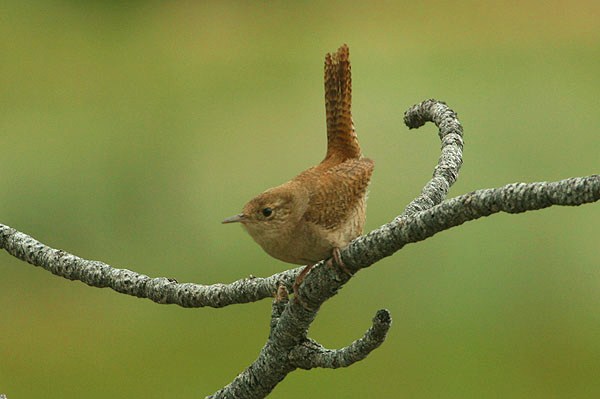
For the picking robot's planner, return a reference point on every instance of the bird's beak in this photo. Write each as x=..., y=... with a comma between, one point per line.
x=234, y=219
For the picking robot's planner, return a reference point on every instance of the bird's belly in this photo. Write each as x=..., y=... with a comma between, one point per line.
x=301, y=249
x=313, y=243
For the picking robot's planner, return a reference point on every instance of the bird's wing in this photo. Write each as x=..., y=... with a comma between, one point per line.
x=338, y=191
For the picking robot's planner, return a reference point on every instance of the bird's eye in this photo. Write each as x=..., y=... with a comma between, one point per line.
x=267, y=212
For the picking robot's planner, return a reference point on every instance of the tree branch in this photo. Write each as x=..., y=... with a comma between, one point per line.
x=311, y=354
x=288, y=346
x=160, y=289
x=450, y=161
x=512, y=198
x=362, y=252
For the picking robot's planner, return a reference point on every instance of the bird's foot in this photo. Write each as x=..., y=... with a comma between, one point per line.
x=298, y=281
x=337, y=258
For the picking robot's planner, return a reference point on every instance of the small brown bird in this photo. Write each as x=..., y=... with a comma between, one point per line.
x=312, y=216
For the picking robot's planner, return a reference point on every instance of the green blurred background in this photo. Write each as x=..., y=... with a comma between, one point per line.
x=129, y=131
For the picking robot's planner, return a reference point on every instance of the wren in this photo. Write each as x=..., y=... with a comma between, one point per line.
x=318, y=212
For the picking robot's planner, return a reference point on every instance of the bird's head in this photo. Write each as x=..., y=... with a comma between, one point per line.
x=272, y=214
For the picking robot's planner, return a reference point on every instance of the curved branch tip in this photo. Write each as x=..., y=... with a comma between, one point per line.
x=383, y=317
x=310, y=354
x=446, y=171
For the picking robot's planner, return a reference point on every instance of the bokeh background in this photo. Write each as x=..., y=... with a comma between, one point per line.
x=129, y=130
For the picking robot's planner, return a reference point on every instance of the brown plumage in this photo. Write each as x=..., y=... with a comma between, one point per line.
x=322, y=209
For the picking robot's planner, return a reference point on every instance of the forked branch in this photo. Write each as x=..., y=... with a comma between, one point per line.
x=288, y=346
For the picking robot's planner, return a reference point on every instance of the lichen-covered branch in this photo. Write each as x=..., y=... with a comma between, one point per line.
x=288, y=346
x=311, y=354
x=450, y=161
x=159, y=289
x=512, y=198
x=362, y=252
x=288, y=330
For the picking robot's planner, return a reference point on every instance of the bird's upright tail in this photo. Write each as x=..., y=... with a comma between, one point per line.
x=342, y=142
